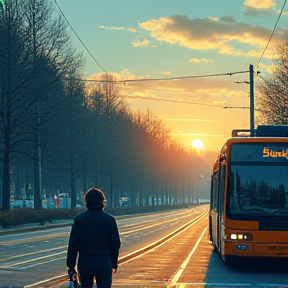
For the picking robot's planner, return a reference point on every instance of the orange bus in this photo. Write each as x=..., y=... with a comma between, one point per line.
x=248, y=215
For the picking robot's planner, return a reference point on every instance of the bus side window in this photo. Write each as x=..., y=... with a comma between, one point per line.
x=215, y=192
x=211, y=193
x=222, y=188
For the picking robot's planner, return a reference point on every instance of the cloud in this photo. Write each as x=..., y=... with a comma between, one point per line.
x=260, y=8
x=260, y=4
x=132, y=30
x=216, y=93
x=118, y=28
x=122, y=75
x=213, y=19
x=223, y=35
x=201, y=60
x=267, y=69
x=112, y=28
x=138, y=43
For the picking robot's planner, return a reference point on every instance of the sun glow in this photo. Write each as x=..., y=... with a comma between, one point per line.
x=198, y=144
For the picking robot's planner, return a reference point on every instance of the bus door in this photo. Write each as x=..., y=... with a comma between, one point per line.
x=214, y=209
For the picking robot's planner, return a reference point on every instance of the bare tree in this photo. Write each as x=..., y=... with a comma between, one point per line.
x=14, y=75
x=273, y=91
x=36, y=55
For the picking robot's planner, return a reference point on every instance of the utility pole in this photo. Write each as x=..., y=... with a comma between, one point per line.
x=251, y=82
x=251, y=72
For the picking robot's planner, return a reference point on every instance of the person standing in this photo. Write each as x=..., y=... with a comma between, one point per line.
x=95, y=240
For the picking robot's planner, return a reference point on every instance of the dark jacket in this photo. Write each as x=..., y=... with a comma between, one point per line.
x=94, y=234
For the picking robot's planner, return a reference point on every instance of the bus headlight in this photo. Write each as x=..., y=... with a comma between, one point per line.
x=241, y=236
x=233, y=236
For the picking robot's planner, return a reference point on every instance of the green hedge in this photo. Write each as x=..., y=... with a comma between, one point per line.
x=20, y=216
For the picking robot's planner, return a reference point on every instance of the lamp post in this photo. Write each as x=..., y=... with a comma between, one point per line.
x=251, y=73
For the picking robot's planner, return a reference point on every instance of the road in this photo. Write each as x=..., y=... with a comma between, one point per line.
x=184, y=257
x=27, y=258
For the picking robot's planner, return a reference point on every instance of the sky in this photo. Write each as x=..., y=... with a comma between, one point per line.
x=207, y=45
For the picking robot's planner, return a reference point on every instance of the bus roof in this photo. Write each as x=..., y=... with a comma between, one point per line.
x=253, y=140
x=263, y=131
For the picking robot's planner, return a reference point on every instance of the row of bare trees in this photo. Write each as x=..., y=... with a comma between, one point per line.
x=35, y=56
x=57, y=135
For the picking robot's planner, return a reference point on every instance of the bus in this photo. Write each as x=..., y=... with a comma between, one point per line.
x=248, y=214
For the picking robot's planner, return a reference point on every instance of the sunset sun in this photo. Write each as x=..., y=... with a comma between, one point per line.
x=198, y=144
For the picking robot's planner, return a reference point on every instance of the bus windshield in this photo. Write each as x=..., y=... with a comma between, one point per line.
x=258, y=189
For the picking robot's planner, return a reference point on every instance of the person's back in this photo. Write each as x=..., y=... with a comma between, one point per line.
x=95, y=238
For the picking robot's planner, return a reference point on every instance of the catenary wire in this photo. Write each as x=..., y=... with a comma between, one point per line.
x=79, y=37
x=168, y=100
x=161, y=79
x=272, y=33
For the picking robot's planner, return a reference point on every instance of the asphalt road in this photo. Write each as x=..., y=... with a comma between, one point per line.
x=29, y=257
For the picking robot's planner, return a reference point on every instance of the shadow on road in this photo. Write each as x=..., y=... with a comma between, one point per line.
x=247, y=272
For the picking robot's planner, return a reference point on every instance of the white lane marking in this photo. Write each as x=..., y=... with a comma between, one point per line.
x=31, y=260
x=143, y=226
x=200, y=217
x=173, y=280
x=228, y=284
x=45, y=281
x=23, y=233
x=214, y=285
x=41, y=263
x=6, y=258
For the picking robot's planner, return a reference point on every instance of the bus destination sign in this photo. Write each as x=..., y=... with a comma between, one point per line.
x=259, y=152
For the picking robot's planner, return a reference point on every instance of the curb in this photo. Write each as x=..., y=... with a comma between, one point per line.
x=65, y=223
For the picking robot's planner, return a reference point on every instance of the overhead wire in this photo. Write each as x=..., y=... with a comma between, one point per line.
x=272, y=33
x=79, y=37
x=162, y=79
x=168, y=100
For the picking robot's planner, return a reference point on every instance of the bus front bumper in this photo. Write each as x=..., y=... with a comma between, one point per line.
x=248, y=249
